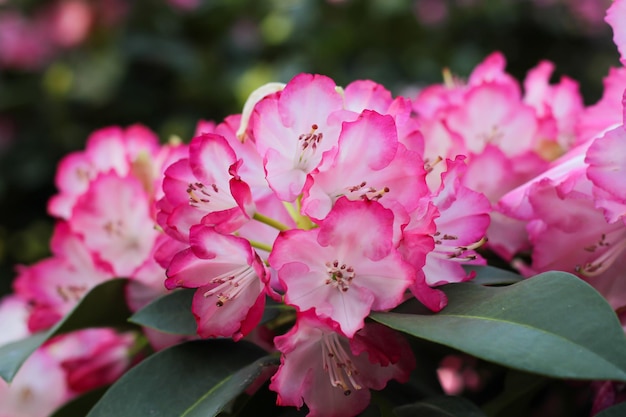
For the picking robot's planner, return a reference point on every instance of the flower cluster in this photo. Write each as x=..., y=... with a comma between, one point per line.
x=331, y=202
x=105, y=212
x=320, y=197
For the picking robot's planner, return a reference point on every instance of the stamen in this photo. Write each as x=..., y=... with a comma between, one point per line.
x=208, y=198
x=308, y=145
x=457, y=253
x=429, y=166
x=231, y=284
x=339, y=277
x=606, y=259
x=336, y=361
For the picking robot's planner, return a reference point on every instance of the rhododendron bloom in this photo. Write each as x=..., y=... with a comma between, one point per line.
x=566, y=229
x=293, y=128
x=343, y=270
x=37, y=390
x=607, y=113
x=205, y=188
x=92, y=358
x=230, y=278
x=108, y=149
x=461, y=224
x=607, y=170
x=369, y=164
x=332, y=374
x=113, y=218
x=55, y=285
x=615, y=16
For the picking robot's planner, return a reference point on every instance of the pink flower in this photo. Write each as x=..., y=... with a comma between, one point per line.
x=68, y=22
x=607, y=170
x=37, y=390
x=205, y=188
x=56, y=284
x=557, y=107
x=293, y=128
x=123, y=151
x=113, y=217
x=92, y=358
x=14, y=317
x=333, y=374
x=566, y=229
x=343, y=270
x=460, y=228
x=23, y=43
x=607, y=113
x=369, y=164
x=230, y=278
x=615, y=16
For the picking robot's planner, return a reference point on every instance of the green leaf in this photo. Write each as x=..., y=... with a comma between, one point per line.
x=170, y=313
x=196, y=378
x=103, y=306
x=444, y=406
x=618, y=410
x=489, y=275
x=515, y=398
x=80, y=405
x=553, y=324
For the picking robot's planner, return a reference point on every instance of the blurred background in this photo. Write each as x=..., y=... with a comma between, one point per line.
x=68, y=67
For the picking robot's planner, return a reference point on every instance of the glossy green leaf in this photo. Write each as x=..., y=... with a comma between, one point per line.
x=191, y=379
x=553, y=324
x=444, y=406
x=103, y=306
x=618, y=410
x=170, y=313
x=489, y=275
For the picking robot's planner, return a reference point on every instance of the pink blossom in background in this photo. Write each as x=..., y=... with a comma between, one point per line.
x=125, y=151
x=607, y=170
x=68, y=22
x=607, y=112
x=37, y=390
x=430, y=12
x=507, y=135
x=24, y=44
x=14, y=318
x=185, y=4
x=92, y=358
x=567, y=231
x=55, y=285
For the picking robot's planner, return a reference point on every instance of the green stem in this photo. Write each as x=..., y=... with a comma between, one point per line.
x=259, y=245
x=270, y=222
x=302, y=222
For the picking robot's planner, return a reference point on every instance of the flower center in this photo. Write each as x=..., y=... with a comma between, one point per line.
x=117, y=229
x=336, y=361
x=208, y=198
x=366, y=192
x=494, y=135
x=308, y=145
x=71, y=293
x=339, y=276
x=610, y=252
x=229, y=285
